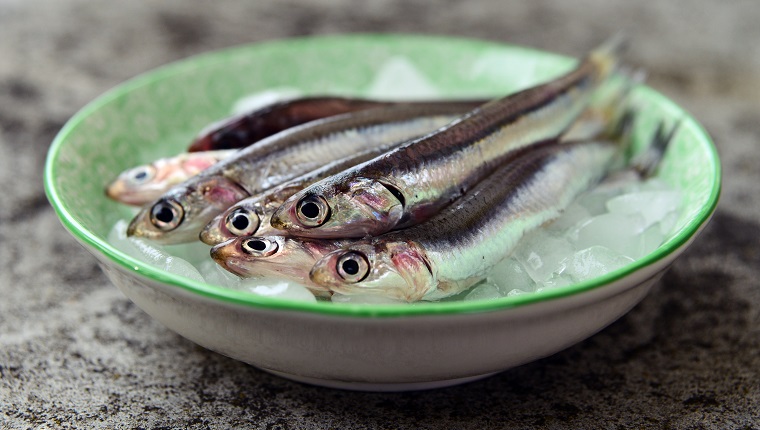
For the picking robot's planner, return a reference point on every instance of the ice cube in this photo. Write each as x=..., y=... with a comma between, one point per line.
x=399, y=79
x=216, y=275
x=592, y=262
x=516, y=292
x=570, y=217
x=654, y=184
x=652, y=205
x=595, y=201
x=556, y=281
x=117, y=237
x=508, y=275
x=149, y=252
x=492, y=65
x=668, y=223
x=278, y=288
x=195, y=252
x=540, y=254
x=650, y=240
x=181, y=267
x=483, y=291
x=619, y=232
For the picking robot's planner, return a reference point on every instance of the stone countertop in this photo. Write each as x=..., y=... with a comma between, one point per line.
x=75, y=353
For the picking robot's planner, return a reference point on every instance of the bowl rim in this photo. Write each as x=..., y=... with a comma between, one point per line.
x=236, y=297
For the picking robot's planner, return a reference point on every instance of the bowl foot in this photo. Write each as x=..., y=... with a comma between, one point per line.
x=379, y=386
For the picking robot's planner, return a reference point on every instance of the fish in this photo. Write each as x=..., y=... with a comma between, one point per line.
x=140, y=185
x=251, y=216
x=244, y=129
x=456, y=249
x=179, y=214
x=411, y=183
x=275, y=256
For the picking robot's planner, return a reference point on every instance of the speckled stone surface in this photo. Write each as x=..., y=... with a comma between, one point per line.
x=75, y=353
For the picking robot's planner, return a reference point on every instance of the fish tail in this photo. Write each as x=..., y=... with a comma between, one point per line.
x=607, y=108
x=606, y=57
x=647, y=162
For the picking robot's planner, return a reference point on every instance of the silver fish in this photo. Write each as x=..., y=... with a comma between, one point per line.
x=244, y=129
x=180, y=214
x=457, y=248
x=143, y=184
x=275, y=256
x=411, y=183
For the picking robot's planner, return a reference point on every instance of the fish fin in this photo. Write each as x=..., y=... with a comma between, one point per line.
x=606, y=57
x=608, y=104
x=223, y=193
x=647, y=162
x=414, y=268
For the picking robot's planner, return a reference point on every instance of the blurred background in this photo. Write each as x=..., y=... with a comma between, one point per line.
x=74, y=352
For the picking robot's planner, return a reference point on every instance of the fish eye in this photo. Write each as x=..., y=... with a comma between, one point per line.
x=166, y=215
x=312, y=211
x=242, y=222
x=141, y=174
x=260, y=247
x=352, y=266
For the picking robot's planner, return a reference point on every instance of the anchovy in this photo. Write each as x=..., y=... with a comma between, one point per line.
x=179, y=214
x=242, y=130
x=411, y=183
x=281, y=257
x=457, y=248
x=143, y=184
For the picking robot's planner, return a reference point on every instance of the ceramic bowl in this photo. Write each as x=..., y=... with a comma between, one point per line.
x=366, y=347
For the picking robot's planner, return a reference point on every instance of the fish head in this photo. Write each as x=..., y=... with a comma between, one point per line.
x=136, y=186
x=272, y=256
x=242, y=219
x=357, y=207
x=180, y=214
x=393, y=269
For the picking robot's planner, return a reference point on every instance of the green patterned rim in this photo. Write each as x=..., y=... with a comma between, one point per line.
x=77, y=166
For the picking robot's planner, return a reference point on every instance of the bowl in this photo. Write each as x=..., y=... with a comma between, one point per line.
x=380, y=347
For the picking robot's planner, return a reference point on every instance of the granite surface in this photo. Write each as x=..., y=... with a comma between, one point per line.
x=75, y=353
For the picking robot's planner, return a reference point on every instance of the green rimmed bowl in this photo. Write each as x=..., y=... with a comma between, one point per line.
x=371, y=347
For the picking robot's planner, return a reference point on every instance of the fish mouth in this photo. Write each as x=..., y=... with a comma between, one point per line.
x=115, y=190
x=323, y=273
x=284, y=217
x=212, y=234
x=140, y=226
x=227, y=254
